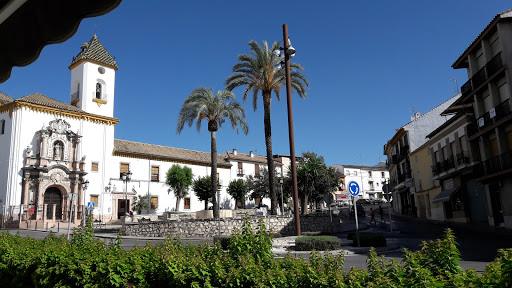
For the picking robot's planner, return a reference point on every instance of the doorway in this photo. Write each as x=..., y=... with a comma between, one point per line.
x=497, y=210
x=53, y=196
x=121, y=211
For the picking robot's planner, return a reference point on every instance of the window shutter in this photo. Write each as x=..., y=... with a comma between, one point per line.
x=125, y=167
x=239, y=165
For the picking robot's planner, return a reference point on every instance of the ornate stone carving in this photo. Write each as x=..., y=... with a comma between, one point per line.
x=57, y=177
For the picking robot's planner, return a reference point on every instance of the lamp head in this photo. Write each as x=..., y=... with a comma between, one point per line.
x=290, y=51
x=129, y=176
x=277, y=52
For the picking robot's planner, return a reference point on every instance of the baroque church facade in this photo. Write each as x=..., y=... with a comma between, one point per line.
x=51, y=148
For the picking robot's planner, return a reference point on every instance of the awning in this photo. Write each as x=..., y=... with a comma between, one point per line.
x=445, y=195
x=27, y=26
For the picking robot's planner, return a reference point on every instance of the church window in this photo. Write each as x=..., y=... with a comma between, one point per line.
x=2, y=126
x=124, y=168
x=154, y=202
x=94, y=166
x=155, y=172
x=94, y=199
x=98, y=91
x=58, y=150
x=187, y=203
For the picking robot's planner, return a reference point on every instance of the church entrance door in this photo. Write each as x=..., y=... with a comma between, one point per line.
x=53, y=196
x=121, y=211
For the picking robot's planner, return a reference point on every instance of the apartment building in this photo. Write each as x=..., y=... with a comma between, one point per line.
x=487, y=95
x=406, y=140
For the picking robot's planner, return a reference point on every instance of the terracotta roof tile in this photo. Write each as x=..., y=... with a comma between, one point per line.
x=5, y=99
x=171, y=153
x=41, y=99
x=95, y=51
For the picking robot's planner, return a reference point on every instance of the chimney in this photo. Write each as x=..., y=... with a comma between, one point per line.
x=234, y=151
x=251, y=154
x=415, y=116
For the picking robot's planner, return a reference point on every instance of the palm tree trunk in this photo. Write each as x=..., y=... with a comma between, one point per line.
x=214, y=176
x=267, y=99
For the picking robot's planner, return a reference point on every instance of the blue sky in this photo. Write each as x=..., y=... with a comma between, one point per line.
x=368, y=63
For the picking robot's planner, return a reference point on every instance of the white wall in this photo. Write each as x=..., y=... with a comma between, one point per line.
x=426, y=123
x=5, y=144
x=88, y=75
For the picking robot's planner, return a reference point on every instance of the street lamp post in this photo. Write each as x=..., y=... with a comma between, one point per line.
x=126, y=177
x=85, y=185
x=290, y=51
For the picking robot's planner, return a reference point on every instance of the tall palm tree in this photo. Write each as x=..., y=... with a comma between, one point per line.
x=258, y=73
x=202, y=105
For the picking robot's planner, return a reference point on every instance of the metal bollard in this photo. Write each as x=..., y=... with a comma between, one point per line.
x=46, y=226
x=58, y=226
x=35, y=228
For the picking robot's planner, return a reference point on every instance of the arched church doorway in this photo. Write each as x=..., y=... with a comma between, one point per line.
x=53, y=196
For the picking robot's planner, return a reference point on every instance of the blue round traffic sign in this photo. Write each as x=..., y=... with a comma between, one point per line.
x=353, y=188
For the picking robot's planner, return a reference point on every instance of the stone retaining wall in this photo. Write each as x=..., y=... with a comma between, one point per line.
x=207, y=228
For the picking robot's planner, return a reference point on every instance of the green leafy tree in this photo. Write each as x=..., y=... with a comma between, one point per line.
x=140, y=203
x=258, y=185
x=179, y=179
x=203, y=189
x=238, y=190
x=202, y=105
x=258, y=73
x=315, y=181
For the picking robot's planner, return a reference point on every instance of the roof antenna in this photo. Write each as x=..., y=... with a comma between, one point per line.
x=456, y=85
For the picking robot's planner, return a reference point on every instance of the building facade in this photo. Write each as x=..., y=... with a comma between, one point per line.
x=51, y=148
x=371, y=180
x=406, y=140
x=487, y=95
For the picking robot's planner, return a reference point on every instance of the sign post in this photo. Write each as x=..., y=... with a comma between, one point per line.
x=387, y=195
x=72, y=196
x=353, y=189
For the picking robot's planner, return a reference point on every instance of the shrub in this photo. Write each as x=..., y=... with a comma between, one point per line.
x=368, y=239
x=316, y=233
x=318, y=243
x=223, y=241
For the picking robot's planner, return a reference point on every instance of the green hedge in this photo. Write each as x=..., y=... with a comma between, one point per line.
x=223, y=241
x=88, y=262
x=368, y=239
x=318, y=243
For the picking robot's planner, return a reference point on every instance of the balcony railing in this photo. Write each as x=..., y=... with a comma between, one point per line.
x=494, y=65
x=240, y=172
x=488, y=119
x=462, y=158
x=483, y=74
x=494, y=164
x=450, y=163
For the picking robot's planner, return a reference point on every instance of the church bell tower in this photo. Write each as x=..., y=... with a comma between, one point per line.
x=93, y=73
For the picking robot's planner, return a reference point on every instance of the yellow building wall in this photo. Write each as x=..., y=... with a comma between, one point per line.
x=425, y=188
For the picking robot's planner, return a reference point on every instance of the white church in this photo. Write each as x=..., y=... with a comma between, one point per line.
x=50, y=149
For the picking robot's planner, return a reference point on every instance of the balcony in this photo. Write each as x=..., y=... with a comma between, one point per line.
x=450, y=163
x=240, y=172
x=462, y=158
x=494, y=164
x=482, y=75
x=490, y=118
